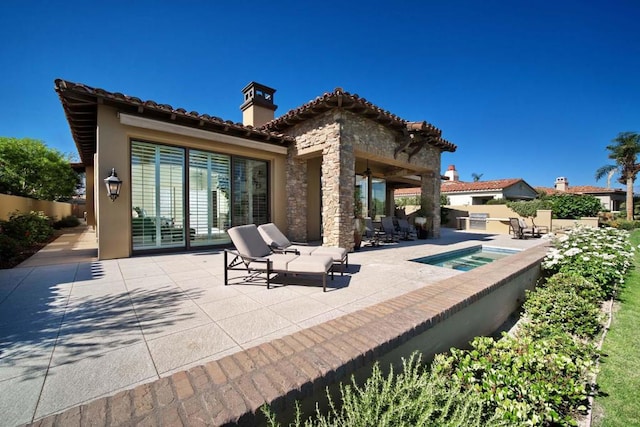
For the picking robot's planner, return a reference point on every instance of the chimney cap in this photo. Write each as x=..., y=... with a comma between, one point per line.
x=451, y=168
x=258, y=94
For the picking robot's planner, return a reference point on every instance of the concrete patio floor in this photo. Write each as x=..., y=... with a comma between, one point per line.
x=73, y=329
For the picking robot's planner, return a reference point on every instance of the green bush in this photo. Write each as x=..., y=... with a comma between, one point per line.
x=9, y=248
x=497, y=202
x=66, y=222
x=574, y=206
x=28, y=228
x=564, y=310
x=582, y=286
x=527, y=381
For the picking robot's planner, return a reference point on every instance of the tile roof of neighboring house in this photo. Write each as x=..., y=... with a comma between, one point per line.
x=461, y=187
x=582, y=189
x=80, y=103
x=406, y=192
x=426, y=132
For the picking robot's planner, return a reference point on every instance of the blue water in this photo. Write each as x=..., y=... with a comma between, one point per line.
x=466, y=259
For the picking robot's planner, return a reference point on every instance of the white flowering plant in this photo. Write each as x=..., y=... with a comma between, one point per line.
x=602, y=255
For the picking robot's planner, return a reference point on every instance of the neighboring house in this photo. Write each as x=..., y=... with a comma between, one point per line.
x=611, y=198
x=462, y=193
x=187, y=177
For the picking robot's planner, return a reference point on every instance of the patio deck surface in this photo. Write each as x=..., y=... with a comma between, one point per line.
x=73, y=329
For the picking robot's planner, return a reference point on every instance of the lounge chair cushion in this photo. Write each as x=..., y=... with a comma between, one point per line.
x=310, y=264
x=337, y=254
x=273, y=236
x=248, y=241
x=279, y=262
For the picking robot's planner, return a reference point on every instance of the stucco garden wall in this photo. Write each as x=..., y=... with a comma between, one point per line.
x=10, y=204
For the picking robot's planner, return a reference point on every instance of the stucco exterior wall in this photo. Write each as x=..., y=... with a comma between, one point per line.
x=114, y=151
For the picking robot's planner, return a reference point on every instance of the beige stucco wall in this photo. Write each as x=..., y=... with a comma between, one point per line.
x=458, y=218
x=114, y=150
x=11, y=204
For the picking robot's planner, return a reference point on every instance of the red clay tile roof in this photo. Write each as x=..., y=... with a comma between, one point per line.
x=581, y=189
x=406, y=192
x=80, y=106
x=354, y=103
x=460, y=186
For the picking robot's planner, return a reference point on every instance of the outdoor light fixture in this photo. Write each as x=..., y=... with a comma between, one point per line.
x=113, y=184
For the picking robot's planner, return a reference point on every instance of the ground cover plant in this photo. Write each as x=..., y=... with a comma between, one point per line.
x=543, y=374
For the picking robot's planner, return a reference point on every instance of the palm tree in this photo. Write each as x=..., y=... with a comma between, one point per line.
x=476, y=176
x=624, y=150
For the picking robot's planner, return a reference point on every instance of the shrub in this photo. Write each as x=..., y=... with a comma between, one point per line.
x=9, y=248
x=497, y=202
x=574, y=206
x=527, y=381
x=601, y=255
x=67, y=221
x=28, y=228
x=563, y=309
x=582, y=286
x=623, y=224
x=412, y=397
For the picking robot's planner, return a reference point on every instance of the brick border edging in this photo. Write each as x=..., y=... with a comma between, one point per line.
x=232, y=389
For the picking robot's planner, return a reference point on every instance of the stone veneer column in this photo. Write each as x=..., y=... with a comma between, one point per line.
x=338, y=171
x=296, y=197
x=430, y=190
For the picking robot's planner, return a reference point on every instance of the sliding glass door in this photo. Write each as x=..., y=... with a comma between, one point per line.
x=221, y=191
x=209, y=197
x=157, y=196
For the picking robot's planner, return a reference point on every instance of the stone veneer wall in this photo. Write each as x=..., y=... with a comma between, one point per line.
x=336, y=136
x=321, y=135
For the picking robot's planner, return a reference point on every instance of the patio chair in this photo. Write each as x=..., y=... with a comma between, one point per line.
x=371, y=234
x=407, y=230
x=273, y=237
x=519, y=228
x=390, y=232
x=256, y=258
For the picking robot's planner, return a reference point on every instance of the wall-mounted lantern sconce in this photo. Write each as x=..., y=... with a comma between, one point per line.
x=113, y=184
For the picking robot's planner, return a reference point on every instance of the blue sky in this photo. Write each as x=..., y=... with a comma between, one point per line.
x=526, y=89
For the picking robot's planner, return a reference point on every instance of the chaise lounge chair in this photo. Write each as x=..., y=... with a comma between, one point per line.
x=254, y=256
x=273, y=237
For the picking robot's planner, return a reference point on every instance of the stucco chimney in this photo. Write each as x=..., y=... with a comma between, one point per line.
x=562, y=184
x=258, y=107
x=452, y=173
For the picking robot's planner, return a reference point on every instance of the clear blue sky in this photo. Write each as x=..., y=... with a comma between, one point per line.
x=526, y=89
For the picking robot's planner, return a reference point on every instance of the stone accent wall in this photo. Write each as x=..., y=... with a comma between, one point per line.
x=336, y=136
x=430, y=186
x=296, y=196
x=322, y=134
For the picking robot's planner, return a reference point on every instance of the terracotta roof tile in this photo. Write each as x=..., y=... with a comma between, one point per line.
x=354, y=103
x=460, y=186
x=581, y=189
x=80, y=105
